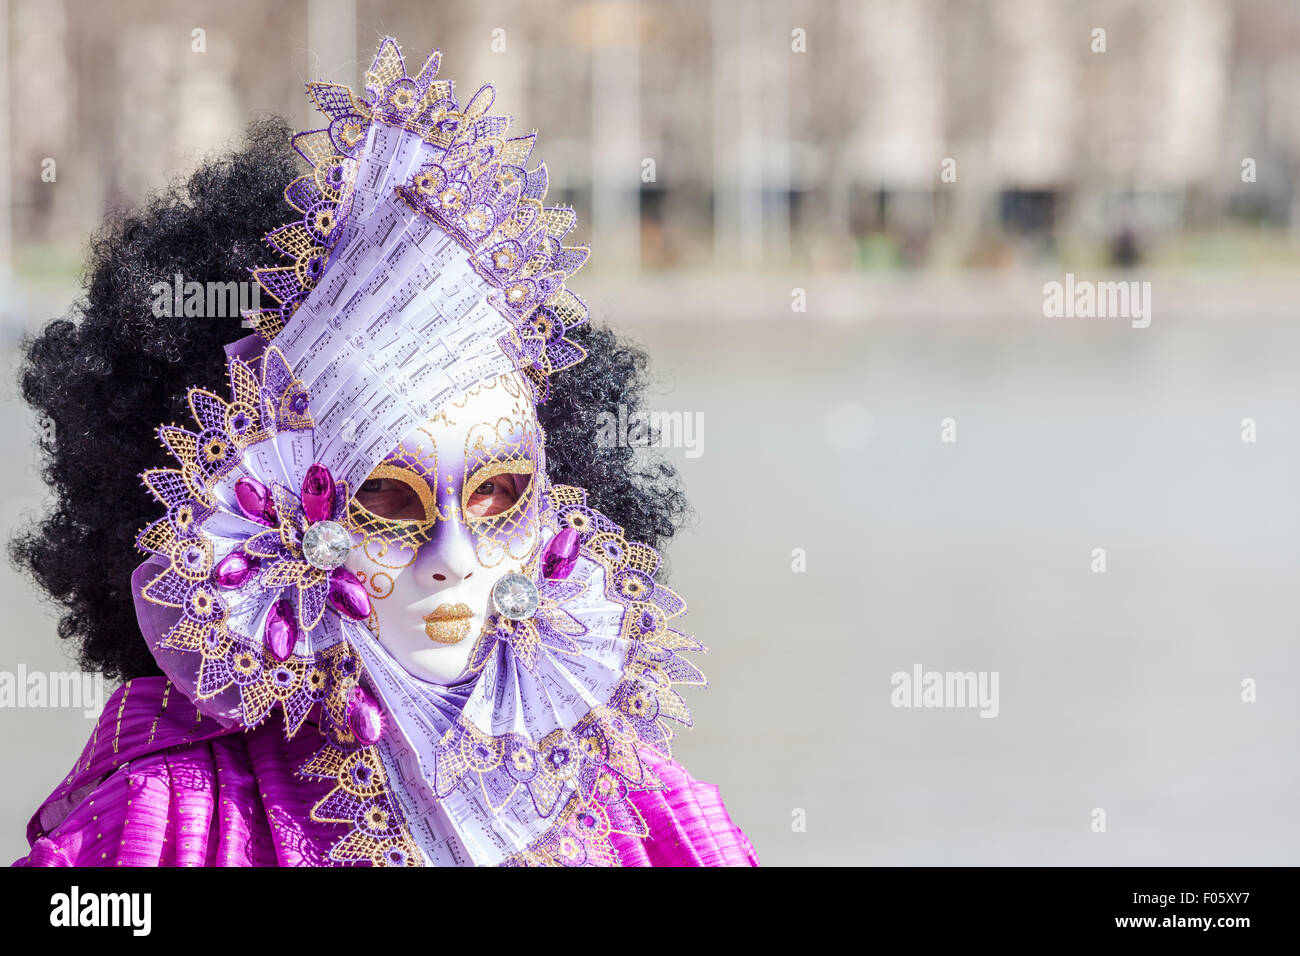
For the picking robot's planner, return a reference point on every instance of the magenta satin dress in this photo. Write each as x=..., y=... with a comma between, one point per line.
x=160, y=785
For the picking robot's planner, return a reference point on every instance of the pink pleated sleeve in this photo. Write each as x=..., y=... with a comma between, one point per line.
x=689, y=826
x=160, y=785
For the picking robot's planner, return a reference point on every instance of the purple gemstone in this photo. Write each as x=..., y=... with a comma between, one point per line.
x=234, y=569
x=561, y=555
x=348, y=595
x=318, y=493
x=281, y=631
x=255, y=501
x=299, y=403
x=364, y=718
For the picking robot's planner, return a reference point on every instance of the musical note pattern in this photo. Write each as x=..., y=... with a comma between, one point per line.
x=382, y=314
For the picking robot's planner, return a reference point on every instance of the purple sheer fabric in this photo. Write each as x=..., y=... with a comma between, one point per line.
x=161, y=785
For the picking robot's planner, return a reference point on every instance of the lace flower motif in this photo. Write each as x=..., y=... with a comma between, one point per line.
x=477, y=188
x=238, y=549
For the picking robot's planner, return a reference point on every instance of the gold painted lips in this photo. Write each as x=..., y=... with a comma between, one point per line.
x=448, y=623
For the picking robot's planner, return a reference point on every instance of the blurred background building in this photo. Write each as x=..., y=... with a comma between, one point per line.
x=781, y=133
x=915, y=170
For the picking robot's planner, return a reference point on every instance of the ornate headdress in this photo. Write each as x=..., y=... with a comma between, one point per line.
x=424, y=262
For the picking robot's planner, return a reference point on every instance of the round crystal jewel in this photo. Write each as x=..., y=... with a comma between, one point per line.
x=515, y=597
x=326, y=544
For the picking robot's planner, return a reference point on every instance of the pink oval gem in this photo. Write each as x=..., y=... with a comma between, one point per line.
x=281, y=632
x=561, y=554
x=364, y=718
x=234, y=570
x=255, y=501
x=318, y=493
x=348, y=595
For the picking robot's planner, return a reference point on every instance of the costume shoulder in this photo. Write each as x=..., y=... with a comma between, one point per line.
x=687, y=823
x=158, y=784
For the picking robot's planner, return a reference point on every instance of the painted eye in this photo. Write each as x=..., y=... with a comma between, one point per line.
x=391, y=498
x=496, y=495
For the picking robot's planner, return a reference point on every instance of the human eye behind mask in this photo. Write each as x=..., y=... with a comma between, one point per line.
x=394, y=494
x=497, y=491
x=394, y=512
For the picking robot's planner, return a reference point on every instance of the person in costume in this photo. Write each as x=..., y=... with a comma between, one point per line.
x=399, y=606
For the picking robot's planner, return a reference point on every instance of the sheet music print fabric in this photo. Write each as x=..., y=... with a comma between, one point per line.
x=400, y=324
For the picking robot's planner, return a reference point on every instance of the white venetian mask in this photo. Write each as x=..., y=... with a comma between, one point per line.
x=442, y=518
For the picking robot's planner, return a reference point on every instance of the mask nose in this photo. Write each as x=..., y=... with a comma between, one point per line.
x=448, y=557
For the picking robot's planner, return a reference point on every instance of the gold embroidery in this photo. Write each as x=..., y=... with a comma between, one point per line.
x=121, y=708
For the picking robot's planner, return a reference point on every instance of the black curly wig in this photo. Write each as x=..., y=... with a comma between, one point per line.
x=104, y=376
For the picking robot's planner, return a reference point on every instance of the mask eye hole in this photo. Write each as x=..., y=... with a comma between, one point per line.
x=396, y=495
x=496, y=495
x=497, y=489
